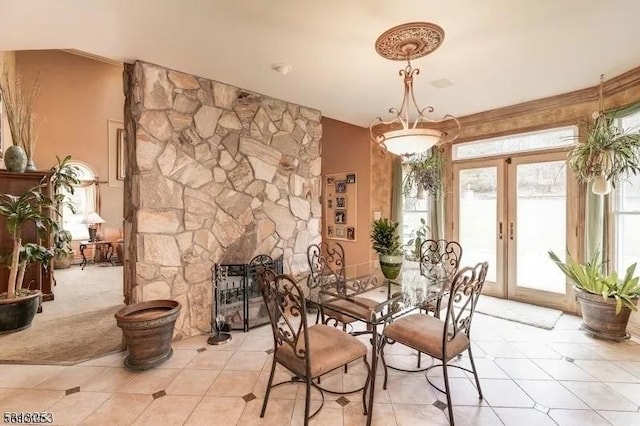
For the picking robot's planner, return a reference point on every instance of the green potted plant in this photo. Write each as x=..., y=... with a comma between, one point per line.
x=19, y=305
x=608, y=155
x=386, y=242
x=418, y=236
x=63, y=176
x=423, y=173
x=63, y=252
x=605, y=301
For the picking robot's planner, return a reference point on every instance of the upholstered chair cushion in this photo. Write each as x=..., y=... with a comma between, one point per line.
x=424, y=333
x=330, y=348
x=362, y=309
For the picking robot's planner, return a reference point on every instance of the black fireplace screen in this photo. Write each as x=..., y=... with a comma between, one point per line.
x=237, y=295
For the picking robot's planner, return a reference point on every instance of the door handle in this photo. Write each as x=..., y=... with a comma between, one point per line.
x=511, y=231
x=499, y=230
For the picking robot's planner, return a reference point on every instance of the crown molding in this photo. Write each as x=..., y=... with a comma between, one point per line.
x=611, y=87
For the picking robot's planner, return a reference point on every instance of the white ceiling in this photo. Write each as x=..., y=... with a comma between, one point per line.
x=496, y=52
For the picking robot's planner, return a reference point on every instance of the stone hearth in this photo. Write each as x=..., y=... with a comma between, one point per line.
x=214, y=174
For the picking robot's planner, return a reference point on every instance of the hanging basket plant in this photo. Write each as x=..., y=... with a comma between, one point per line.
x=608, y=155
x=423, y=173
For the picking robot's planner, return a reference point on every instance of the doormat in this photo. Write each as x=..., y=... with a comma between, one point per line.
x=524, y=313
x=64, y=341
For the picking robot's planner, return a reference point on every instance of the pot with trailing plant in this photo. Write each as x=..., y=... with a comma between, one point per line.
x=608, y=154
x=386, y=242
x=422, y=175
x=605, y=301
x=19, y=305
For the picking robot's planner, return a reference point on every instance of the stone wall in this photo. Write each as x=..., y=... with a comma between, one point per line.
x=215, y=174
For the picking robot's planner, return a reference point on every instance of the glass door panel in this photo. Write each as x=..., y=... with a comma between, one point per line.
x=478, y=207
x=537, y=224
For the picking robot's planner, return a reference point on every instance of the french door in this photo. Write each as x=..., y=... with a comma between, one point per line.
x=510, y=212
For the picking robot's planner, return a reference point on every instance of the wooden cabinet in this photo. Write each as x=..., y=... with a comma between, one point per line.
x=36, y=276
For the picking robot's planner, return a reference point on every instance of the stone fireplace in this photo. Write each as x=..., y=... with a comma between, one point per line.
x=215, y=174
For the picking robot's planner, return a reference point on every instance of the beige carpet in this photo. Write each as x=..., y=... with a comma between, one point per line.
x=524, y=313
x=64, y=341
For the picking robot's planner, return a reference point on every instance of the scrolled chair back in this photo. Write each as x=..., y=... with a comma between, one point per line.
x=440, y=259
x=326, y=262
x=287, y=310
x=465, y=291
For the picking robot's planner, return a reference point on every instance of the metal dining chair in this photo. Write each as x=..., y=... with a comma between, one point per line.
x=443, y=339
x=327, y=264
x=308, y=352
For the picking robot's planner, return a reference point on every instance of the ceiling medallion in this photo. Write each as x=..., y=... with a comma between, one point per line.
x=399, y=135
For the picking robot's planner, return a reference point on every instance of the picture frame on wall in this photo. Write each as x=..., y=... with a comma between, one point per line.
x=329, y=181
x=351, y=178
x=341, y=202
x=340, y=218
x=351, y=233
x=121, y=158
x=340, y=232
x=329, y=231
x=329, y=203
x=341, y=186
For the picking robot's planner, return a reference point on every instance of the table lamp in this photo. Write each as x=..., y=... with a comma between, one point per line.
x=92, y=220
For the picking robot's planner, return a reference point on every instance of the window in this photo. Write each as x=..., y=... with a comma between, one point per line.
x=626, y=211
x=414, y=207
x=84, y=202
x=544, y=139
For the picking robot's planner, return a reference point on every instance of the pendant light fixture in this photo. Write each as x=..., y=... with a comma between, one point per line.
x=409, y=131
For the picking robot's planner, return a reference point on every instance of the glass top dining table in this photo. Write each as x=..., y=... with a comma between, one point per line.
x=393, y=298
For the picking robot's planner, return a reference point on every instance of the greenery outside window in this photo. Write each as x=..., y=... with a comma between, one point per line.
x=626, y=210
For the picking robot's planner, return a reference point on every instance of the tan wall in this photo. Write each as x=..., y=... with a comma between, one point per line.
x=345, y=148
x=77, y=98
x=8, y=62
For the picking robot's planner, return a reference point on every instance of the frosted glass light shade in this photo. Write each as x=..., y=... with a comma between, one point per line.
x=601, y=186
x=411, y=141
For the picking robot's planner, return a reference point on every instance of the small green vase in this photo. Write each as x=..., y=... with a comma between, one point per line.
x=15, y=159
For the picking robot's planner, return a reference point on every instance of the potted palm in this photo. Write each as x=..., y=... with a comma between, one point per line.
x=386, y=242
x=19, y=305
x=605, y=301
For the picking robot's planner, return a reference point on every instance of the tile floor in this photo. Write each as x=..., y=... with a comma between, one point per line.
x=529, y=376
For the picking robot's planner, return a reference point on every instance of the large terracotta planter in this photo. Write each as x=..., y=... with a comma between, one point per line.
x=17, y=314
x=148, y=331
x=390, y=265
x=599, y=316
